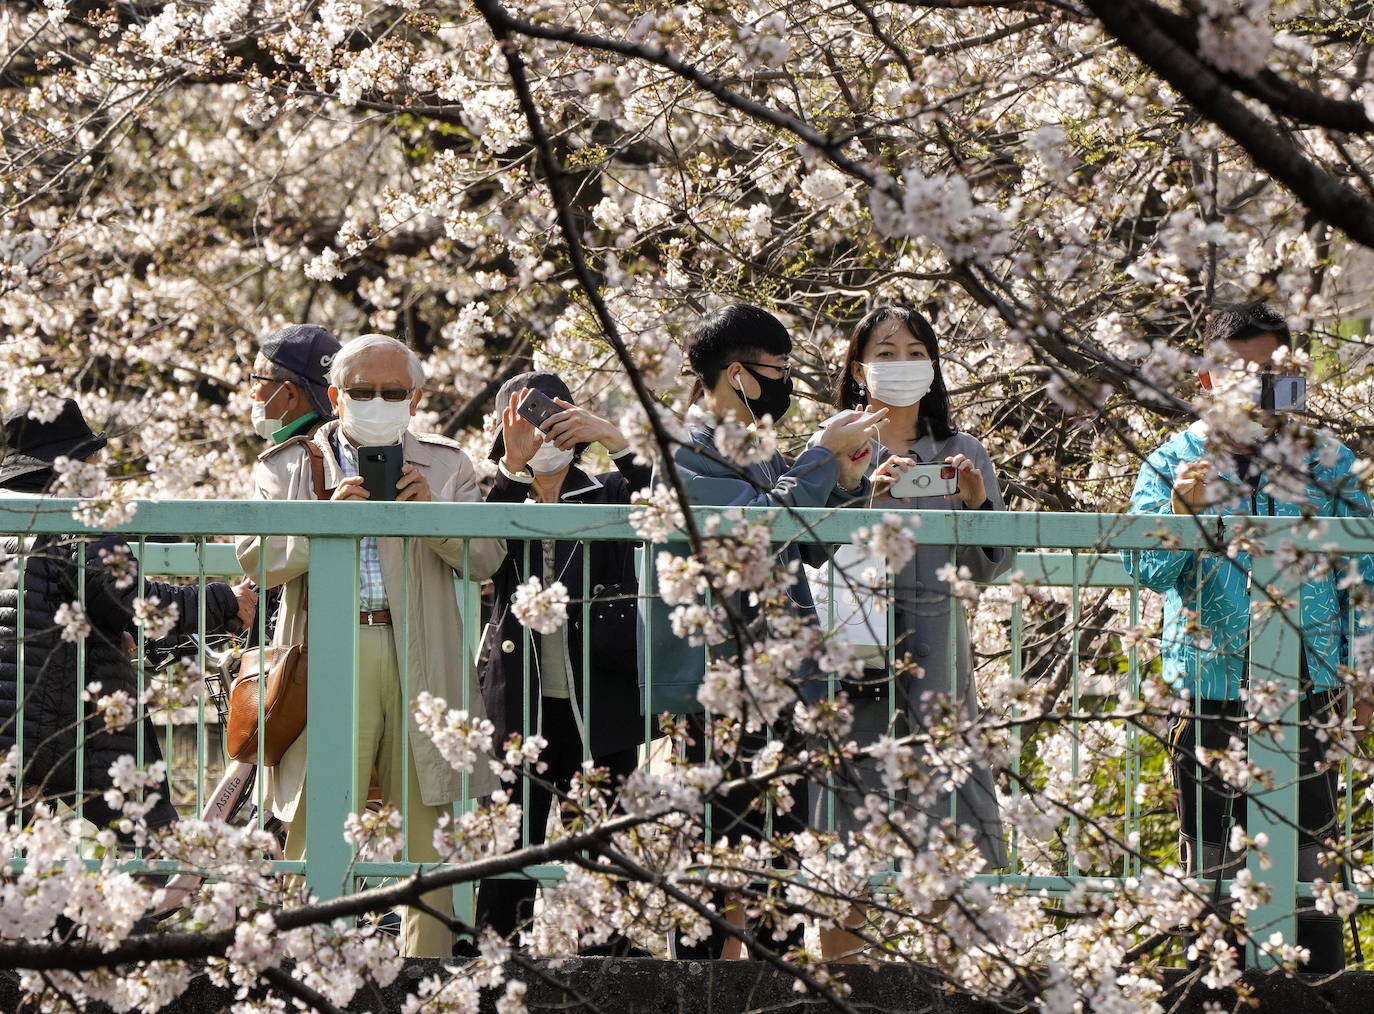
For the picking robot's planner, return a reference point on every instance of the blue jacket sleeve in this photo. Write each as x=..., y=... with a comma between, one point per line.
x=808, y=483
x=1350, y=501
x=1157, y=569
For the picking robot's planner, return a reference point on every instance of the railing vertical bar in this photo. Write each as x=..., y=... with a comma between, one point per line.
x=472, y=632
x=829, y=821
x=402, y=649
x=1075, y=699
x=1347, y=762
x=953, y=604
x=470, y=603
x=333, y=590
x=141, y=672
x=82, y=707
x=1017, y=618
x=708, y=744
x=1134, y=828
x=586, y=548
x=259, y=781
x=1274, y=746
x=21, y=633
x=526, y=726
x=202, y=743
x=1193, y=762
x=647, y=594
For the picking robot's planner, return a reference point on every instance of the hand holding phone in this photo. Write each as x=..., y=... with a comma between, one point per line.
x=926, y=480
x=537, y=408
x=380, y=469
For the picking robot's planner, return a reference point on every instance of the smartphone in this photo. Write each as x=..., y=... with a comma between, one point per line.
x=380, y=468
x=1282, y=394
x=926, y=480
x=537, y=407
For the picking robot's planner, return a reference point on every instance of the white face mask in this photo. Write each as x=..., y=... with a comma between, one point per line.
x=375, y=422
x=549, y=459
x=262, y=425
x=899, y=384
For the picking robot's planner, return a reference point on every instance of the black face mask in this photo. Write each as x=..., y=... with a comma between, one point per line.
x=775, y=395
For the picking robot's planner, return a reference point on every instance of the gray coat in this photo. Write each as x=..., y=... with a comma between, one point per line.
x=922, y=626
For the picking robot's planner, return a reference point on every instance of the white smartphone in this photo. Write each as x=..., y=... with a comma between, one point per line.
x=1282, y=394
x=926, y=480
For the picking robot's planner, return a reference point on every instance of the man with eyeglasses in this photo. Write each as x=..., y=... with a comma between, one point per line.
x=375, y=387
x=739, y=356
x=290, y=382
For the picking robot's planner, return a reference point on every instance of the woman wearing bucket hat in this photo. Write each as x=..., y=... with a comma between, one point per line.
x=43, y=704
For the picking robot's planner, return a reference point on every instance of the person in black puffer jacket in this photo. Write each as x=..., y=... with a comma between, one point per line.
x=52, y=680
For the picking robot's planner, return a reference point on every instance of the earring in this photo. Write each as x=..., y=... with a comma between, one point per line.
x=863, y=391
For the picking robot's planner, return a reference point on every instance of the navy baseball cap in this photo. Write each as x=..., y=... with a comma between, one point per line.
x=307, y=350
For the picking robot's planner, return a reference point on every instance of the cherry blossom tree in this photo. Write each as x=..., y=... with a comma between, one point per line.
x=1065, y=187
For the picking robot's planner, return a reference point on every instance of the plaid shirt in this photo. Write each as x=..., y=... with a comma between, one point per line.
x=371, y=590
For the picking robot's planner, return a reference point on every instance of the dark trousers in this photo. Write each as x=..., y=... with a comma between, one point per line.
x=1211, y=727
x=742, y=812
x=506, y=904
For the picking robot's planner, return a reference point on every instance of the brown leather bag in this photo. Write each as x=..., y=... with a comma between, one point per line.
x=283, y=710
x=283, y=667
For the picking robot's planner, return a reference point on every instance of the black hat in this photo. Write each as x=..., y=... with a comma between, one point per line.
x=307, y=350
x=541, y=380
x=32, y=445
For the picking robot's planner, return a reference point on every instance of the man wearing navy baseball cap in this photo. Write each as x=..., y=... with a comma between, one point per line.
x=291, y=382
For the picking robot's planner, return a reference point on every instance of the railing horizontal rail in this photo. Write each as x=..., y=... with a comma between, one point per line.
x=1088, y=570
x=1119, y=532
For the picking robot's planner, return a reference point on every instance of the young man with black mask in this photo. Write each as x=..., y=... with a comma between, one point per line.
x=1240, y=460
x=739, y=357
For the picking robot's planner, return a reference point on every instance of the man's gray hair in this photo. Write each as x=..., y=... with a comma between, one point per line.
x=365, y=343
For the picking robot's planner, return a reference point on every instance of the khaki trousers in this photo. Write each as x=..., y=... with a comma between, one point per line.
x=382, y=717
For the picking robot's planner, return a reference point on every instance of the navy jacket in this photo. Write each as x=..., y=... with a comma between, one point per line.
x=611, y=714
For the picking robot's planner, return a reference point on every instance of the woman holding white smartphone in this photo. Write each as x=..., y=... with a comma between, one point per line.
x=918, y=461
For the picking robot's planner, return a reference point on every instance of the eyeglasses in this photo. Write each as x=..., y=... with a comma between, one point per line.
x=786, y=367
x=387, y=393
x=268, y=380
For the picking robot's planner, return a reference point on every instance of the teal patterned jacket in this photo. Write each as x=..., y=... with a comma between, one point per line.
x=1332, y=490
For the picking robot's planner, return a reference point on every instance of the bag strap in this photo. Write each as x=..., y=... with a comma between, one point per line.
x=317, y=483
x=317, y=470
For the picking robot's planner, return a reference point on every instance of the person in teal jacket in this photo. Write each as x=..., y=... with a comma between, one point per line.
x=1197, y=472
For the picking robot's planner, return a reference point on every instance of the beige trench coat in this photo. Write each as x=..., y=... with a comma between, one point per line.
x=436, y=648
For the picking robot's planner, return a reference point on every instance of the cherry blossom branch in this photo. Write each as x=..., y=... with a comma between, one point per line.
x=83, y=956
x=1333, y=201
x=1283, y=97
x=662, y=883
x=501, y=24
x=289, y=984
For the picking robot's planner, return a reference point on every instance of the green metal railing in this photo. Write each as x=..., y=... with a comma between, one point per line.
x=1075, y=551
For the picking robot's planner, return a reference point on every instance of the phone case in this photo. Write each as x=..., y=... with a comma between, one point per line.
x=1283, y=394
x=380, y=468
x=537, y=408
x=925, y=480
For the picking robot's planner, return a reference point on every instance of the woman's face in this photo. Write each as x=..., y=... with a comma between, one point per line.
x=890, y=342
